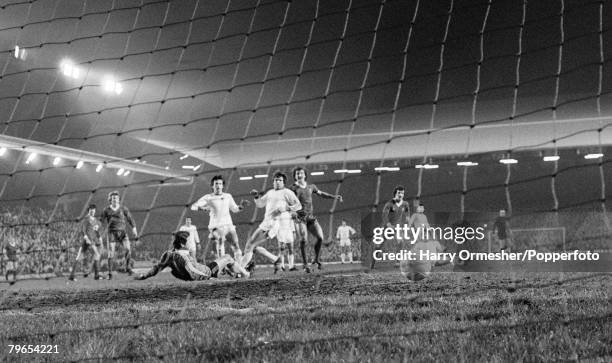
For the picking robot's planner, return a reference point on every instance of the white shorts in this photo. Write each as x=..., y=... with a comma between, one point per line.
x=222, y=230
x=281, y=228
x=346, y=243
x=191, y=247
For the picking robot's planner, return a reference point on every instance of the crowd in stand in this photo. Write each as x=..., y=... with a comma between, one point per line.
x=42, y=243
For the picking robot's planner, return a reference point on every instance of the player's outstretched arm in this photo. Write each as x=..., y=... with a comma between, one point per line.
x=162, y=264
x=326, y=195
x=201, y=203
x=260, y=198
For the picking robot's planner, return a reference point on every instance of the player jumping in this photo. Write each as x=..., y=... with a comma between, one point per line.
x=220, y=225
x=186, y=268
x=91, y=242
x=279, y=203
x=115, y=219
x=306, y=221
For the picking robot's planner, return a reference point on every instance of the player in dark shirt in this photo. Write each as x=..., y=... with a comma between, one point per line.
x=91, y=242
x=305, y=220
x=185, y=267
x=396, y=211
x=501, y=229
x=115, y=219
x=10, y=251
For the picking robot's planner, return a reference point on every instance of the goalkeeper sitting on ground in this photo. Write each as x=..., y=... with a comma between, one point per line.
x=185, y=267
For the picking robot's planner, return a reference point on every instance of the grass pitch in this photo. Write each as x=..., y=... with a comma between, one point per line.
x=338, y=315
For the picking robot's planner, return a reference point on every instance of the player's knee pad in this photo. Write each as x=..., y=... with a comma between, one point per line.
x=290, y=249
x=282, y=247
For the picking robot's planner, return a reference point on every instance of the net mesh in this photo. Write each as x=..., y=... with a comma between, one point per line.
x=176, y=92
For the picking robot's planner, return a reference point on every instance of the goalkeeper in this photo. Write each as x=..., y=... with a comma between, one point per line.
x=185, y=267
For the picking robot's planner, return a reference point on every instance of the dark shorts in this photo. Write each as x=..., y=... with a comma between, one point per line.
x=85, y=247
x=117, y=236
x=307, y=219
x=214, y=269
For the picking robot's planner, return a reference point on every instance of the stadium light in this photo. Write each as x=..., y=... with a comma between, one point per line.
x=340, y=171
x=259, y=176
x=192, y=167
x=508, y=161
x=127, y=172
x=427, y=166
x=315, y=173
x=246, y=178
x=185, y=156
x=57, y=160
x=466, y=163
x=19, y=53
x=2, y=151
x=99, y=168
x=69, y=69
x=551, y=158
x=387, y=168
x=110, y=85
x=30, y=158
x=79, y=165
x=354, y=171
x=594, y=156
x=121, y=171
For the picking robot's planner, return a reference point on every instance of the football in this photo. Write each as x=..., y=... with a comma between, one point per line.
x=415, y=270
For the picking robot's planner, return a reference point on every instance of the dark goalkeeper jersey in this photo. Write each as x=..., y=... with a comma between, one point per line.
x=183, y=266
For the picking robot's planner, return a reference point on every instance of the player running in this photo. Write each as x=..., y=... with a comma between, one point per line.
x=279, y=203
x=194, y=238
x=220, y=226
x=343, y=235
x=305, y=220
x=90, y=231
x=115, y=219
x=186, y=268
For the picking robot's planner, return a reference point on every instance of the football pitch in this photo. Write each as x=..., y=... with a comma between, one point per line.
x=341, y=314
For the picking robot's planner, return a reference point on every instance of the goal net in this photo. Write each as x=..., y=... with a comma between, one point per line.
x=459, y=102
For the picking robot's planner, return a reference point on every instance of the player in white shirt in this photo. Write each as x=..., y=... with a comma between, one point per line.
x=220, y=225
x=343, y=235
x=279, y=202
x=194, y=238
